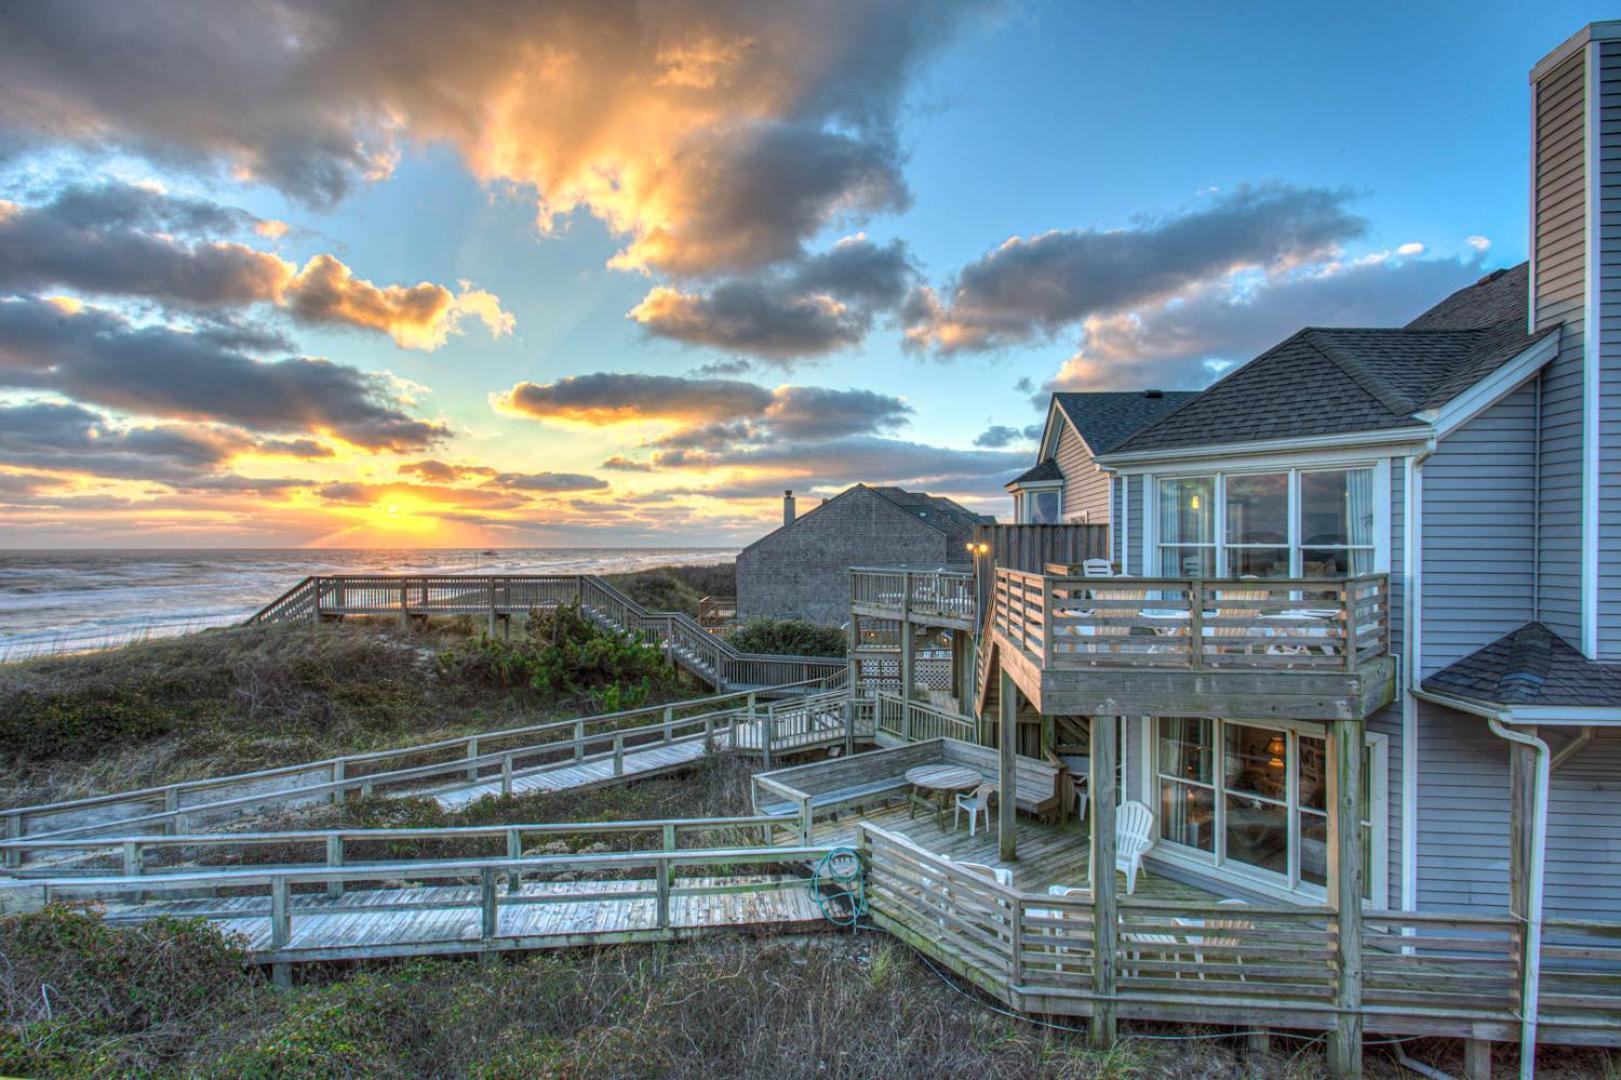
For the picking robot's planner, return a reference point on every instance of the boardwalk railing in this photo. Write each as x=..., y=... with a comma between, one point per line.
x=1316, y=624
x=728, y=721
x=135, y=856
x=635, y=896
x=946, y=594
x=914, y=721
x=691, y=645
x=1423, y=974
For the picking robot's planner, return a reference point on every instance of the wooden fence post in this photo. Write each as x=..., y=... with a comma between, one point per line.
x=768, y=730
x=669, y=720
x=472, y=752
x=134, y=865
x=619, y=755
x=340, y=773
x=1345, y=889
x=579, y=739
x=1196, y=626
x=281, y=930
x=506, y=774
x=488, y=913
x=514, y=851
x=1007, y=789
x=1105, y=922
x=334, y=859
x=663, y=869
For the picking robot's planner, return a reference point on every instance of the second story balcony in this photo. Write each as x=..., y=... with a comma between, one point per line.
x=1306, y=648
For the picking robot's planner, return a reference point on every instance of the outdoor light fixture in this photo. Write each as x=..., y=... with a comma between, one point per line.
x=1193, y=503
x=1274, y=747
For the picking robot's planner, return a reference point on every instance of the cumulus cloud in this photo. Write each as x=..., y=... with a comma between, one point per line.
x=815, y=306
x=611, y=397
x=70, y=438
x=999, y=435
x=1033, y=287
x=837, y=463
x=545, y=482
x=1183, y=343
x=99, y=357
x=711, y=136
x=129, y=240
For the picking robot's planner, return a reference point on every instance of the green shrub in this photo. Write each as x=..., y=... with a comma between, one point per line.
x=676, y=588
x=80, y=997
x=788, y=637
x=561, y=653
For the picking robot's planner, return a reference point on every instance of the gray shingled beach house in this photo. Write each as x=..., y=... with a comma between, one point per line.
x=802, y=570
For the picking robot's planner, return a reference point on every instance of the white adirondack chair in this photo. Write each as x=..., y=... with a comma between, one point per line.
x=999, y=874
x=976, y=802
x=1097, y=568
x=1133, y=825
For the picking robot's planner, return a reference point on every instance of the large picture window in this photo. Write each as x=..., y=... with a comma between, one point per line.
x=1277, y=524
x=1251, y=797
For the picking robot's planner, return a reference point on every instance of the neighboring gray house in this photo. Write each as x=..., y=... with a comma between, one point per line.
x=1474, y=456
x=802, y=570
x=1067, y=484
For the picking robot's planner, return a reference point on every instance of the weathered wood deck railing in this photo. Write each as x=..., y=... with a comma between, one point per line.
x=731, y=721
x=634, y=894
x=690, y=644
x=1315, y=624
x=913, y=721
x=1455, y=975
x=133, y=856
x=919, y=593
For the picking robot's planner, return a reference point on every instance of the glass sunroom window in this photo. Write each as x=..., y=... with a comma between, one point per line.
x=1187, y=526
x=1280, y=524
x=1336, y=522
x=1257, y=525
x=1255, y=796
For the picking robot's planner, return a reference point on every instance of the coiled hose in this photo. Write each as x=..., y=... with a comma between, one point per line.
x=837, y=876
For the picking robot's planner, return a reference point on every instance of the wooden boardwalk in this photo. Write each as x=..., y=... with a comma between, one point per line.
x=636, y=765
x=540, y=914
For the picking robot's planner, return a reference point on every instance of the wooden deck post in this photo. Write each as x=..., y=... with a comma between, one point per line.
x=1103, y=749
x=334, y=859
x=514, y=851
x=1345, y=891
x=1007, y=787
x=472, y=752
x=488, y=913
x=281, y=930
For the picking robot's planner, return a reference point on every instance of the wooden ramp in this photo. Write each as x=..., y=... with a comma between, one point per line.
x=539, y=915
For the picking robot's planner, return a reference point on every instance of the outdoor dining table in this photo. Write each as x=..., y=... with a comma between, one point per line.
x=940, y=782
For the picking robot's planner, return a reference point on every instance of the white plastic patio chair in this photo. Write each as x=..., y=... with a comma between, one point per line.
x=1133, y=825
x=976, y=802
x=999, y=874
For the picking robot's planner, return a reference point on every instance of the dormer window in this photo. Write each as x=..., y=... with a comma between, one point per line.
x=1039, y=504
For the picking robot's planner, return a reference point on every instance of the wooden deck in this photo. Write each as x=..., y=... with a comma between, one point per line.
x=1048, y=854
x=1305, y=648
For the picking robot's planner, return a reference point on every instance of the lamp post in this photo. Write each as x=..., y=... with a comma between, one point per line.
x=976, y=553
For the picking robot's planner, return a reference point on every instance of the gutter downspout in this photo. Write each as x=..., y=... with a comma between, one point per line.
x=1412, y=608
x=1498, y=721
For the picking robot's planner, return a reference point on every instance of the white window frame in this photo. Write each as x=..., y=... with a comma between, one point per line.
x=1287, y=886
x=1154, y=545
x=1024, y=495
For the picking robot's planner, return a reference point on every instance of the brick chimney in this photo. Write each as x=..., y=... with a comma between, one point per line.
x=788, y=507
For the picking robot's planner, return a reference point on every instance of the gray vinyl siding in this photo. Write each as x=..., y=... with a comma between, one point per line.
x=1609, y=580
x=1117, y=517
x=1134, y=514
x=1479, y=492
x=1584, y=832
x=1398, y=555
x=1086, y=487
x=1559, y=203
x=1462, y=813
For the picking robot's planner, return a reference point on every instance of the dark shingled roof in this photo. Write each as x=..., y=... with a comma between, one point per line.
x=1107, y=418
x=1531, y=666
x=1333, y=381
x=942, y=513
x=1045, y=470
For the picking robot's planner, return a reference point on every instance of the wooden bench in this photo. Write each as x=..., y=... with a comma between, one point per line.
x=1044, y=789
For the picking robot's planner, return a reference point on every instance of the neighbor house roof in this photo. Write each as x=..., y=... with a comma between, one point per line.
x=1046, y=469
x=1531, y=666
x=934, y=510
x=1107, y=418
x=1330, y=381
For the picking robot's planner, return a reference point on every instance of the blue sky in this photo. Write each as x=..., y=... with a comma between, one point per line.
x=856, y=239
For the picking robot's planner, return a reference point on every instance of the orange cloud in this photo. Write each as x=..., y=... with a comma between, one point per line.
x=420, y=316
